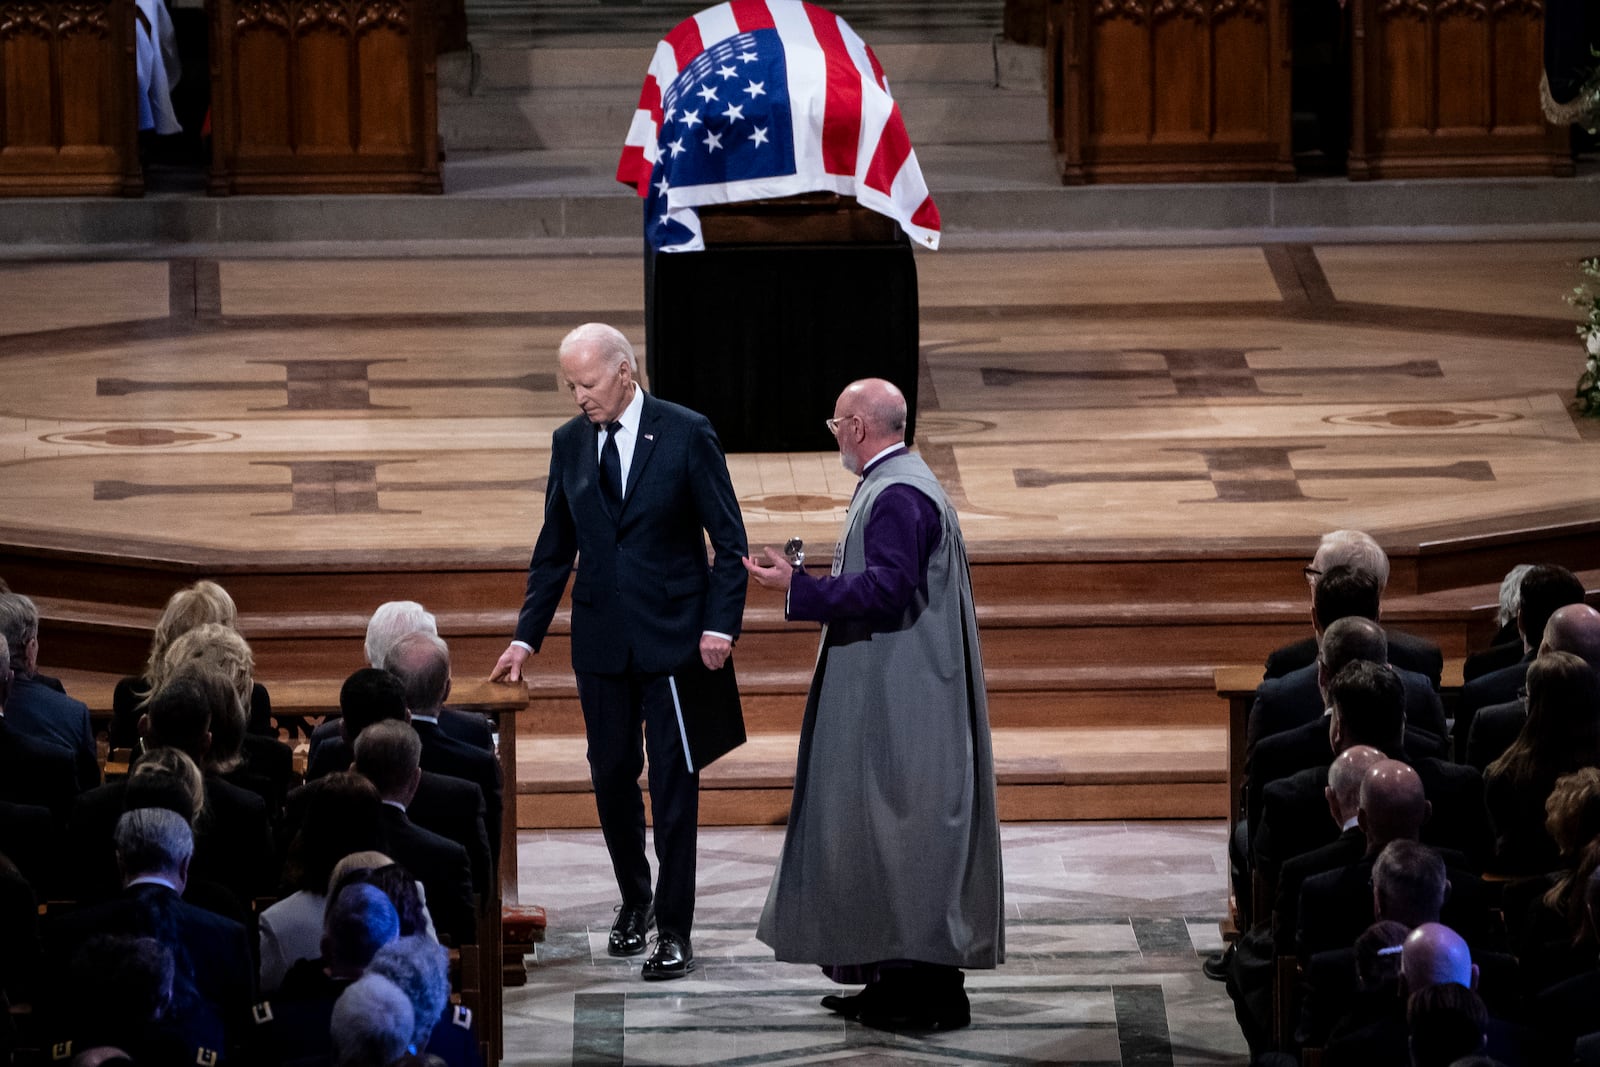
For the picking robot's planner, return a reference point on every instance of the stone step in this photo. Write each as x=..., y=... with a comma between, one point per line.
x=936, y=113
x=498, y=65
x=1166, y=772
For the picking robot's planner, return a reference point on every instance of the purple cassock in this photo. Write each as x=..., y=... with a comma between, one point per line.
x=892, y=850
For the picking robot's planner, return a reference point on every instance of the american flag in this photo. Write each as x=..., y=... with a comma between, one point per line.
x=755, y=99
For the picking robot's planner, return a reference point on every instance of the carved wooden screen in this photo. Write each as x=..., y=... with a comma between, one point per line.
x=323, y=96
x=1169, y=90
x=68, y=109
x=1450, y=88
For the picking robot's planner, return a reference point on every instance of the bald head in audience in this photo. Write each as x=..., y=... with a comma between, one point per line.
x=1393, y=807
x=1434, y=954
x=1408, y=884
x=422, y=663
x=1575, y=629
x=1345, y=641
x=1344, y=781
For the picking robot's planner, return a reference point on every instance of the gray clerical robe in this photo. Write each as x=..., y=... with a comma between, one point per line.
x=893, y=844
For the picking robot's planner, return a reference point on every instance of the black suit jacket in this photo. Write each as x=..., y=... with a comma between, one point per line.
x=212, y=952
x=49, y=715
x=441, y=866
x=35, y=772
x=644, y=593
x=1336, y=906
x=127, y=704
x=469, y=726
x=1496, y=687
x=443, y=754
x=1293, y=699
x=1405, y=651
x=1492, y=731
x=1342, y=851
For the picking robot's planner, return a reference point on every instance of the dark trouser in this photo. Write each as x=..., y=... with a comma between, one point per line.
x=614, y=707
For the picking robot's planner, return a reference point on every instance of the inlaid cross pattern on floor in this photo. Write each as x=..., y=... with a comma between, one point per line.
x=1107, y=923
x=1106, y=397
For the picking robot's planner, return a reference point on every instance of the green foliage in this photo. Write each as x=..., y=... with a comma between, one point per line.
x=1587, y=297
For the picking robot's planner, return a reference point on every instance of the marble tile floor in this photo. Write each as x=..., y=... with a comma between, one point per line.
x=1106, y=926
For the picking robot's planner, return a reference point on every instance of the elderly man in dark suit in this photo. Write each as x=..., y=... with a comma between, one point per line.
x=635, y=487
x=37, y=706
x=1575, y=629
x=1353, y=548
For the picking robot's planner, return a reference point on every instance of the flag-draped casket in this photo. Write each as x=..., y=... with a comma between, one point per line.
x=760, y=99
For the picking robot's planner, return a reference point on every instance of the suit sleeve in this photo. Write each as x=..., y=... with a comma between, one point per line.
x=553, y=554
x=718, y=509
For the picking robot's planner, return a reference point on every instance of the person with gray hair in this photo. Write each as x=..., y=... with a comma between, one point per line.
x=1505, y=648
x=1574, y=628
x=636, y=487
x=213, y=974
x=421, y=969
x=393, y=620
x=37, y=704
x=388, y=754
x=422, y=663
x=32, y=772
x=1354, y=548
x=372, y=1023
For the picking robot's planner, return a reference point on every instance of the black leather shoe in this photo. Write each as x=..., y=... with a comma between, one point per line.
x=848, y=1006
x=628, y=932
x=1217, y=964
x=672, y=958
x=936, y=1006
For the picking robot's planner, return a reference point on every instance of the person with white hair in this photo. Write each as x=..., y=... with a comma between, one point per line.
x=1353, y=548
x=393, y=620
x=372, y=1023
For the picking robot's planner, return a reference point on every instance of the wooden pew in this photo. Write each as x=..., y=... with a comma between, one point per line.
x=69, y=120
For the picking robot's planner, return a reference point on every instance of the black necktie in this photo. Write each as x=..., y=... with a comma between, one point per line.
x=611, y=464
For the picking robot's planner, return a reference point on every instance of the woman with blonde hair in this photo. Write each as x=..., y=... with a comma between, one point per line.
x=201, y=603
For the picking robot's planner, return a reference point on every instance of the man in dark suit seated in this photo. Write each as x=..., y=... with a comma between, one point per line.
x=450, y=807
x=214, y=975
x=393, y=620
x=1343, y=595
x=388, y=754
x=32, y=772
x=1545, y=588
x=1575, y=629
x=422, y=663
x=37, y=709
x=1352, y=548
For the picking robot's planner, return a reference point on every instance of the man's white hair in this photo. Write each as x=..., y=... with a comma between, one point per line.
x=608, y=340
x=1511, y=594
x=391, y=622
x=1352, y=548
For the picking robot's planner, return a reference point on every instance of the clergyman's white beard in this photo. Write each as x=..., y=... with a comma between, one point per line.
x=848, y=463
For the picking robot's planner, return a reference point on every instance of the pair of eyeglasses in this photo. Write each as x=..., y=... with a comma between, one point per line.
x=834, y=424
x=1311, y=573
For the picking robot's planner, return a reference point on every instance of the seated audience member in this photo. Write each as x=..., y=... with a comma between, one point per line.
x=1546, y=917
x=422, y=663
x=1447, y=1023
x=400, y=885
x=1544, y=589
x=388, y=754
x=392, y=621
x=421, y=969
x=1366, y=704
x=37, y=709
x=1344, y=613
x=263, y=765
x=213, y=970
x=159, y=777
x=21, y=957
x=1345, y=990
x=1337, y=905
x=343, y=816
x=32, y=772
x=450, y=807
x=201, y=603
x=1565, y=1011
x=1505, y=648
x=372, y=1024
x=1353, y=548
x=1562, y=735
x=293, y=1026
x=126, y=995
x=1575, y=629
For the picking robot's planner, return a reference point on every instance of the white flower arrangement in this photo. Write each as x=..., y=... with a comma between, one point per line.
x=1587, y=297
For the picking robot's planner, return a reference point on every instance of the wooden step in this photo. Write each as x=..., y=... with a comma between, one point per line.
x=1043, y=774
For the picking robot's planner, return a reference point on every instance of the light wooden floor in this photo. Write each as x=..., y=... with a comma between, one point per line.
x=1069, y=398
